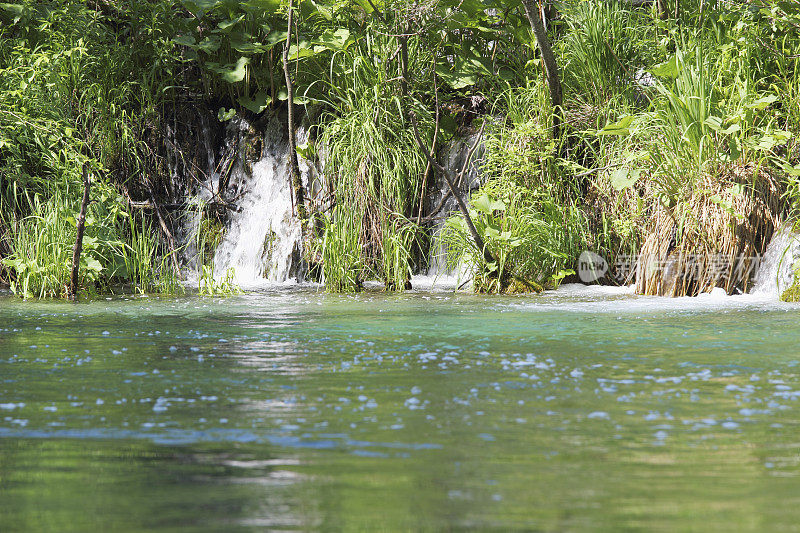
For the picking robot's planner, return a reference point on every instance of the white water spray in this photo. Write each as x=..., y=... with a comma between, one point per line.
x=261, y=244
x=438, y=274
x=776, y=271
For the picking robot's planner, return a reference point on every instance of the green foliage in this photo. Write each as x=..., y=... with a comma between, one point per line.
x=210, y=285
x=604, y=46
x=208, y=235
x=68, y=100
x=342, y=262
x=792, y=294
x=525, y=211
x=80, y=86
x=374, y=167
x=147, y=269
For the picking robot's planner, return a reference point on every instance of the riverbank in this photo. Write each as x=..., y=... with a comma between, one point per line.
x=665, y=133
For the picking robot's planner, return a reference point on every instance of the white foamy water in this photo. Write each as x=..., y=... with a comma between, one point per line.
x=623, y=301
x=261, y=244
x=776, y=272
x=436, y=282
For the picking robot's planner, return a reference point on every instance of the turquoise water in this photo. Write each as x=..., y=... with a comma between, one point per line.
x=579, y=410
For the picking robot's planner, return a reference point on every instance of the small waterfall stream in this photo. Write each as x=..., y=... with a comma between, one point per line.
x=261, y=244
x=776, y=271
x=263, y=235
x=440, y=200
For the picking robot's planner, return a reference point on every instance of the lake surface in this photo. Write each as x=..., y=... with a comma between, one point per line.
x=583, y=409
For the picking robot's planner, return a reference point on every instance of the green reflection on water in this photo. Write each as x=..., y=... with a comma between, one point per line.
x=298, y=410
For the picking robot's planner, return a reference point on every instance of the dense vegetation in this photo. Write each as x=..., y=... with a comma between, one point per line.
x=676, y=135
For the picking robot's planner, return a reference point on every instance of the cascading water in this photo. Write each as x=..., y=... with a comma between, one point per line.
x=776, y=271
x=261, y=244
x=440, y=204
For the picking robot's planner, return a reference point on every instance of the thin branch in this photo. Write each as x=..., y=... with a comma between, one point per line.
x=477, y=239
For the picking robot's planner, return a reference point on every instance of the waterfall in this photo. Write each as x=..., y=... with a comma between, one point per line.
x=440, y=204
x=247, y=169
x=776, y=271
x=261, y=243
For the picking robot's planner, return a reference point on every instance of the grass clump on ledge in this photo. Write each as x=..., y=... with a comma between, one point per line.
x=792, y=294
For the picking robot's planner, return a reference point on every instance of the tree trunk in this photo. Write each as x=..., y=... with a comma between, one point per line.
x=294, y=165
x=80, y=226
x=549, y=61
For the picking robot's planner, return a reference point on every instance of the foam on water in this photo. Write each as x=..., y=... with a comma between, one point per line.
x=601, y=299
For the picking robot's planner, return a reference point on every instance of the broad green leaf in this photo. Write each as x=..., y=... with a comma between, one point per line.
x=275, y=36
x=491, y=232
x=733, y=128
x=310, y=7
x=257, y=104
x=472, y=7
x=209, y=45
x=227, y=25
x=301, y=50
x=235, y=73
x=185, y=40
x=457, y=223
x=93, y=265
x=667, y=69
x=763, y=102
x=770, y=140
x=448, y=126
x=283, y=95
x=621, y=127
x=561, y=275
x=306, y=150
x=456, y=80
x=623, y=178
x=367, y=7
x=716, y=123
x=13, y=11
x=506, y=74
x=200, y=7
x=333, y=40
x=263, y=7
x=223, y=115
x=242, y=43
x=487, y=205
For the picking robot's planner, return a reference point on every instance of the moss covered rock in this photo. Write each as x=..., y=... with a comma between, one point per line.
x=792, y=294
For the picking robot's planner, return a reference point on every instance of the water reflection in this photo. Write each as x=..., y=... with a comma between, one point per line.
x=421, y=411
